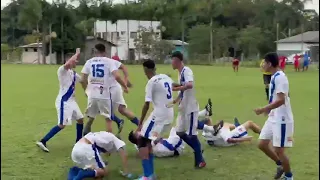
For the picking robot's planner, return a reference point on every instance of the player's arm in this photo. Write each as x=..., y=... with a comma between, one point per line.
x=72, y=60
x=124, y=158
x=125, y=72
x=84, y=75
x=145, y=108
x=188, y=75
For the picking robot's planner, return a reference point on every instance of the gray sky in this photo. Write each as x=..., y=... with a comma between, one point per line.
x=314, y=5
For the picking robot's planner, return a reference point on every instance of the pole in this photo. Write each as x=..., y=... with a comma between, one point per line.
x=277, y=31
x=50, y=43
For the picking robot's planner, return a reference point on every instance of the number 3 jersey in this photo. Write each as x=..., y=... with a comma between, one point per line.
x=99, y=71
x=159, y=92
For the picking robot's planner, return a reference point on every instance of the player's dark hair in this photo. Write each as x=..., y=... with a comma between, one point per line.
x=132, y=138
x=177, y=54
x=272, y=58
x=149, y=64
x=101, y=48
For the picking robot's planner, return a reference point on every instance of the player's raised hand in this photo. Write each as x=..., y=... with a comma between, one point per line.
x=258, y=111
x=126, y=90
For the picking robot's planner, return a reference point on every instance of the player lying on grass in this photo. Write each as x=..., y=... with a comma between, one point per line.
x=86, y=155
x=66, y=104
x=230, y=134
x=169, y=147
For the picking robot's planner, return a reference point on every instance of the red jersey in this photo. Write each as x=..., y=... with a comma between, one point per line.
x=296, y=60
x=116, y=58
x=235, y=62
x=282, y=61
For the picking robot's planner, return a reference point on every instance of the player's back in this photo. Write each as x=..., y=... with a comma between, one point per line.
x=99, y=70
x=188, y=102
x=161, y=85
x=105, y=141
x=280, y=84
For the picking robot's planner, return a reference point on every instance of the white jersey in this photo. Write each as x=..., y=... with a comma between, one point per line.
x=100, y=71
x=67, y=81
x=159, y=92
x=113, y=82
x=188, y=102
x=105, y=141
x=280, y=84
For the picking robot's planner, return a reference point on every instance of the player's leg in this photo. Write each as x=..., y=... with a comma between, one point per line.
x=207, y=111
x=282, y=139
x=91, y=112
x=129, y=114
x=64, y=118
x=237, y=67
x=77, y=114
x=104, y=106
x=265, y=138
x=253, y=126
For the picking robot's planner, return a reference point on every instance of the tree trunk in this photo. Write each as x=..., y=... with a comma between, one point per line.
x=182, y=33
x=44, y=47
x=211, y=40
x=128, y=39
x=38, y=44
x=117, y=39
x=50, y=43
x=62, y=48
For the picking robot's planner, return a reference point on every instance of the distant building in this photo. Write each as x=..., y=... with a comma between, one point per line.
x=180, y=46
x=120, y=32
x=30, y=54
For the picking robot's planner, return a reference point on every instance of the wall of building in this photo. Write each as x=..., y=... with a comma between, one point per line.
x=117, y=34
x=30, y=56
x=291, y=48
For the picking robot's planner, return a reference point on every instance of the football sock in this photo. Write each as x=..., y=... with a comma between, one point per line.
x=288, y=174
x=203, y=113
x=88, y=173
x=79, y=131
x=146, y=168
x=135, y=121
x=278, y=163
x=151, y=158
x=200, y=125
x=116, y=119
x=194, y=143
x=208, y=128
x=50, y=134
x=267, y=92
x=73, y=172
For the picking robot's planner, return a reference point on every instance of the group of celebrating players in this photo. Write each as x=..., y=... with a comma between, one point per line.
x=104, y=89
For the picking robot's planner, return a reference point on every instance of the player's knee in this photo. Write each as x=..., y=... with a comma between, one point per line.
x=181, y=134
x=101, y=172
x=262, y=145
x=122, y=109
x=61, y=126
x=279, y=151
x=80, y=121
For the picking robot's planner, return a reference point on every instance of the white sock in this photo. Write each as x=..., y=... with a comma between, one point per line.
x=207, y=128
x=203, y=113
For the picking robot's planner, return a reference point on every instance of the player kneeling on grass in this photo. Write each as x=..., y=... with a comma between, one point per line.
x=230, y=134
x=172, y=146
x=86, y=154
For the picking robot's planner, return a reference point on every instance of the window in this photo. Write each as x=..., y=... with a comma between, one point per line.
x=123, y=32
x=133, y=35
x=35, y=50
x=158, y=35
x=26, y=49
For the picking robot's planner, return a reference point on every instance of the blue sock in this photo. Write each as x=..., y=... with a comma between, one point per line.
x=288, y=174
x=278, y=163
x=146, y=168
x=151, y=158
x=73, y=172
x=236, y=124
x=79, y=131
x=135, y=121
x=200, y=125
x=197, y=148
x=88, y=173
x=50, y=134
x=116, y=119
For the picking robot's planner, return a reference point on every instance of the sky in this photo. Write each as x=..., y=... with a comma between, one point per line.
x=313, y=4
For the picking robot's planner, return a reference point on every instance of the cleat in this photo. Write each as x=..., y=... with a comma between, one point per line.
x=201, y=165
x=42, y=146
x=120, y=126
x=236, y=121
x=209, y=107
x=279, y=172
x=217, y=127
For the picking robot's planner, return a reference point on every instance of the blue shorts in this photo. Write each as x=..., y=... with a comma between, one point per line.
x=305, y=63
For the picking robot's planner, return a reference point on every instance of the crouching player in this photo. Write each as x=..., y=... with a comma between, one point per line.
x=86, y=154
x=230, y=134
x=172, y=146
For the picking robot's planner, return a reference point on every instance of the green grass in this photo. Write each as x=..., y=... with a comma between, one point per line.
x=28, y=94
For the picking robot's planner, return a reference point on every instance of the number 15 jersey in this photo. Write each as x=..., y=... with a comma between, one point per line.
x=99, y=71
x=159, y=92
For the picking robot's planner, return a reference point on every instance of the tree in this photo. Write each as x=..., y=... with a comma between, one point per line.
x=249, y=40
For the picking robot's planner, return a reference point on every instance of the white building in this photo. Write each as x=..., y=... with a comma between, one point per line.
x=117, y=33
x=30, y=54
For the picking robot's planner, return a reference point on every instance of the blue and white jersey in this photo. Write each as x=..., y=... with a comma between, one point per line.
x=279, y=84
x=67, y=81
x=167, y=146
x=188, y=102
x=99, y=71
x=105, y=141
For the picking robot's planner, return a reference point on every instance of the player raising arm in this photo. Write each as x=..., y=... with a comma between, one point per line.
x=96, y=75
x=86, y=154
x=66, y=104
x=278, y=129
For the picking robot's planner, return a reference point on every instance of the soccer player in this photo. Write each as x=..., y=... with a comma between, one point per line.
x=86, y=155
x=266, y=79
x=159, y=93
x=296, y=62
x=66, y=104
x=235, y=64
x=305, y=61
x=278, y=129
x=282, y=62
x=188, y=108
x=96, y=75
x=162, y=147
x=230, y=134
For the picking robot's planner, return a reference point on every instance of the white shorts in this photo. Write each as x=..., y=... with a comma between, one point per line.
x=280, y=134
x=86, y=156
x=187, y=123
x=154, y=128
x=116, y=96
x=98, y=107
x=239, y=132
x=68, y=111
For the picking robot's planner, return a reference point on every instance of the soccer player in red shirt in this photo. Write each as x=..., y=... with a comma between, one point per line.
x=235, y=64
x=296, y=62
x=116, y=57
x=282, y=63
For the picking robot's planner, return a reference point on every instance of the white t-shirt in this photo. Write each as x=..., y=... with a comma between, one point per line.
x=188, y=102
x=67, y=81
x=279, y=84
x=174, y=142
x=100, y=71
x=221, y=138
x=105, y=141
x=113, y=81
x=159, y=92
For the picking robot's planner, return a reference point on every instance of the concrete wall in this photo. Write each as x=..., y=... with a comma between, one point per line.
x=29, y=56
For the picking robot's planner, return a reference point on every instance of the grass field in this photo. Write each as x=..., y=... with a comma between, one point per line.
x=28, y=94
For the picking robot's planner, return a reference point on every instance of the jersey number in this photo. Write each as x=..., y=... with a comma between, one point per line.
x=97, y=70
x=169, y=95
